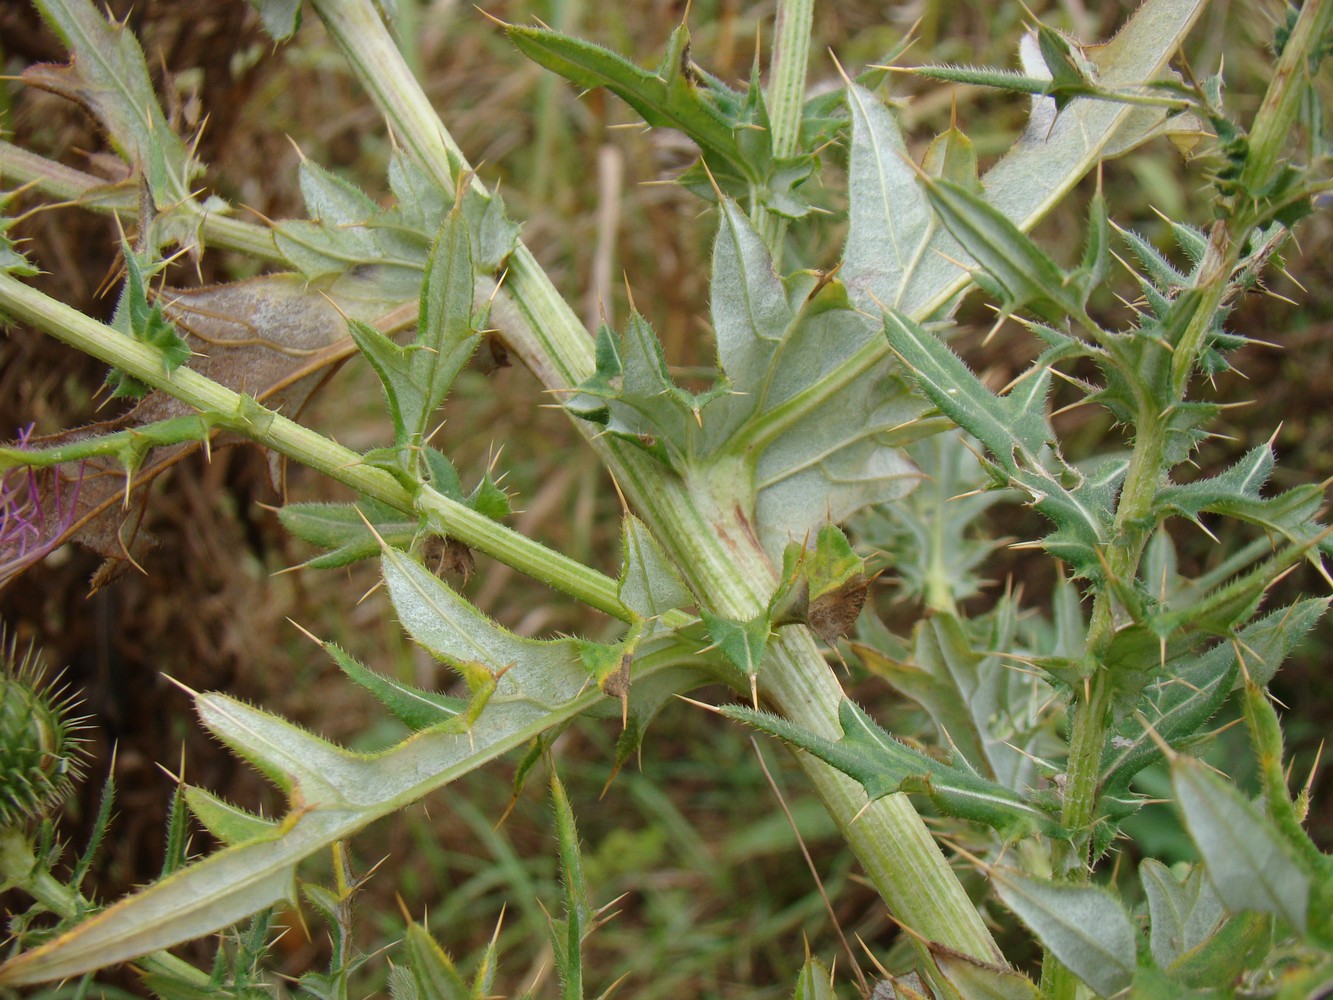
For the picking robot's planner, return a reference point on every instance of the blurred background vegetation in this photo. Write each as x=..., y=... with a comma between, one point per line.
x=716, y=897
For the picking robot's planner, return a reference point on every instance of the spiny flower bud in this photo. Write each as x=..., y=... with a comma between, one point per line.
x=40, y=751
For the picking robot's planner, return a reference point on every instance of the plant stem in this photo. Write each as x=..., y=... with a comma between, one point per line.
x=51, y=178
x=717, y=547
x=1291, y=79
x=308, y=447
x=786, y=102
x=713, y=545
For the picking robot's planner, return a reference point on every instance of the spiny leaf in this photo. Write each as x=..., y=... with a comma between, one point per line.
x=889, y=219
x=433, y=971
x=668, y=98
x=648, y=585
x=1194, y=687
x=1027, y=276
x=1249, y=863
x=814, y=982
x=567, y=935
x=281, y=17
x=1084, y=927
x=1013, y=428
x=414, y=707
x=976, y=980
x=417, y=378
x=341, y=529
x=1182, y=914
x=883, y=766
x=741, y=642
x=108, y=76
x=228, y=823
x=145, y=322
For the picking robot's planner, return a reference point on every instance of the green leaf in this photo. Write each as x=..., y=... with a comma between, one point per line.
x=1083, y=926
x=445, y=338
x=648, y=585
x=1052, y=155
x=108, y=76
x=1194, y=687
x=415, y=708
x=741, y=642
x=975, y=980
x=1028, y=278
x=631, y=393
x=341, y=528
x=814, y=982
x=567, y=934
x=883, y=766
x=1249, y=863
x=281, y=17
x=825, y=449
x=671, y=97
x=1182, y=915
x=1013, y=428
x=418, y=377
x=456, y=632
x=889, y=219
x=977, y=702
x=433, y=971
x=228, y=823
x=143, y=321
x=340, y=793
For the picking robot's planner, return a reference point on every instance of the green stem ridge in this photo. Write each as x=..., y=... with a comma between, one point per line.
x=714, y=544
x=308, y=447
x=546, y=334
x=786, y=101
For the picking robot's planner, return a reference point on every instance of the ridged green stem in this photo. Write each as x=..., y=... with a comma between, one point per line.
x=306, y=446
x=715, y=547
x=786, y=101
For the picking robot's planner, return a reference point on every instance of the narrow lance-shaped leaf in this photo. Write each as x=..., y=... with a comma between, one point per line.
x=814, y=982
x=1196, y=686
x=1013, y=428
x=667, y=98
x=414, y=707
x=567, y=934
x=1027, y=276
x=417, y=378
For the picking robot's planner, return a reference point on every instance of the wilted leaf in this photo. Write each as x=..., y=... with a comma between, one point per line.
x=978, y=980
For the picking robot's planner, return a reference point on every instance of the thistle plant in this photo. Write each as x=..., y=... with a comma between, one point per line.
x=839, y=421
